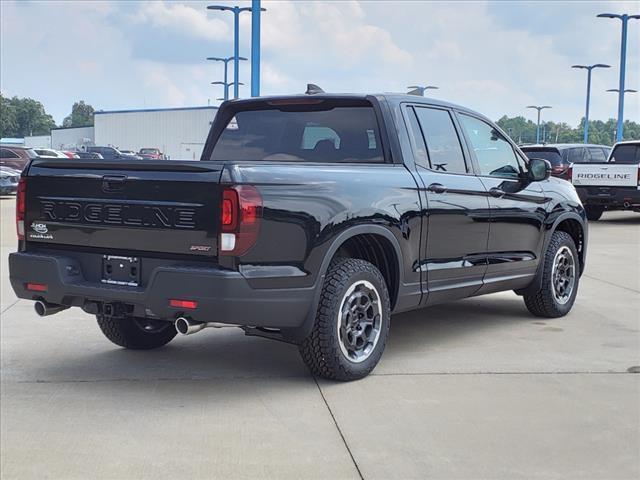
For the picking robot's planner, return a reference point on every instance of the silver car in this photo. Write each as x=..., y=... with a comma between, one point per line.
x=8, y=180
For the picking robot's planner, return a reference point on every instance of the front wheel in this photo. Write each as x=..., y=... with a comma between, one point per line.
x=352, y=322
x=594, y=212
x=136, y=333
x=560, y=278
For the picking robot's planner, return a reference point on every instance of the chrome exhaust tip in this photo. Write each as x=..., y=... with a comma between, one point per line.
x=43, y=308
x=186, y=326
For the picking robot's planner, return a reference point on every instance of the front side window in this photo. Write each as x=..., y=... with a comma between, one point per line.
x=596, y=155
x=441, y=139
x=347, y=134
x=6, y=153
x=576, y=155
x=494, y=153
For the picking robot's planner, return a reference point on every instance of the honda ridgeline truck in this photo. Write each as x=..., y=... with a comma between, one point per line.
x=309, y=219
x=610, y=185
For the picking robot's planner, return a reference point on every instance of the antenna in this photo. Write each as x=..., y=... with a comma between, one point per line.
x=313, y=89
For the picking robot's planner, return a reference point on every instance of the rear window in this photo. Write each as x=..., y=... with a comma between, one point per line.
x=626, y=154
x=553, y=156
x=341, y=134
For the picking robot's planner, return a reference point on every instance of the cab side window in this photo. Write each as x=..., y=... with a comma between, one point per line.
x=441, y=140
x=576, y=155
x=494, y=153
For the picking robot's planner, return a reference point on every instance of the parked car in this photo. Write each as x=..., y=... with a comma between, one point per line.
x=151, y=153
x=90, y=155
x=70, y=154
x=311, y=220
x=111, y=153
x=610, y=185
x=561, y=155
x=8, y=180
x=16, y=157
x=49, y=153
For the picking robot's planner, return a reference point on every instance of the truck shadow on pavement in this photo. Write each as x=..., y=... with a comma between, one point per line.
x=229, y=354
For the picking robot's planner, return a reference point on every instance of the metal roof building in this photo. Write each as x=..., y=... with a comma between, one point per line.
x=180, y=133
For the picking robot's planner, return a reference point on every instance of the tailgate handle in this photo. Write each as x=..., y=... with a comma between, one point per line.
x=113, y=183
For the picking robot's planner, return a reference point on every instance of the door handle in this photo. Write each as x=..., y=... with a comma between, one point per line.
x=436, y=188
x=496, y=192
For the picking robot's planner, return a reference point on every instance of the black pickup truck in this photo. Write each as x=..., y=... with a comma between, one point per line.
x=309, y=219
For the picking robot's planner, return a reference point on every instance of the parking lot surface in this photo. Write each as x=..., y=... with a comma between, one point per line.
x=473, y=389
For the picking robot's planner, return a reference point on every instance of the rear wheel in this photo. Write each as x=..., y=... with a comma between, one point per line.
x=594, y=212
x=136, y=333
x=560, y=278
x=352, y=322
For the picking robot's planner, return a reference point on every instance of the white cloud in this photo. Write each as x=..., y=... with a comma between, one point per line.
x=182, y=18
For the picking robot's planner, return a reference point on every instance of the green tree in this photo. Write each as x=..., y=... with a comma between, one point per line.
x=81, y=115
x=8, y=121
x=20, y=117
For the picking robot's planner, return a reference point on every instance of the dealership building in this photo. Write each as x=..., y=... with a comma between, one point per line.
x=180, y=133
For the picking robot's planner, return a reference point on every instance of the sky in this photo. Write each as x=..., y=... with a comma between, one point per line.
x=494, y=57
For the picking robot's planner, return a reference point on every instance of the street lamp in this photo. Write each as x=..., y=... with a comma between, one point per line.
x=419, y=89
x=623, y=60
x=226, y=88
x=589, y=68
x=225, y=83
x=626, y=90
x=539, y=109
x=236, y=39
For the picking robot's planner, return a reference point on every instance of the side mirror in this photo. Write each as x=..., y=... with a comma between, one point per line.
x=539, y=169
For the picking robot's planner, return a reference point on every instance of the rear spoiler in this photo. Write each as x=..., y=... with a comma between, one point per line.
x=135, y=165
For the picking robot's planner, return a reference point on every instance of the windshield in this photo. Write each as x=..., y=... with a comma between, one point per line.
x=149, y=151
x=626, y=154
x=552, y=155
x=341, y=134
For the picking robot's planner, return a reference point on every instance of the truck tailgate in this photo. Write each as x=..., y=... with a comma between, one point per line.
x=142, y=206
x=604, y=175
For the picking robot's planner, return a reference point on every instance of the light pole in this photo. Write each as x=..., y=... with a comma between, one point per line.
x=539, y=109
x=226, y=81
x=589, y=68
x=419, y=89
x=226, y=88
x=626, y=90
x=623, y=60
x=236, y=40
x=255, y=47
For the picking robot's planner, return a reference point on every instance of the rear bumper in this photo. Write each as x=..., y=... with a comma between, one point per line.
x=222, y=295
x=617, y=198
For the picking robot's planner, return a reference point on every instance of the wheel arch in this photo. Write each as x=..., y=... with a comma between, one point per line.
x=373, y=243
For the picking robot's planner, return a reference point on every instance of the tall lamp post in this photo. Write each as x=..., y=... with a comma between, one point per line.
x=419, y=89
x=226, y=88
x=539, y=109
x=589, y=68
x=623, y=60
x=226, y=80
x=236, y=40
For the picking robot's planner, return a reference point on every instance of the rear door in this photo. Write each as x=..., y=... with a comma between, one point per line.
x=455, y=239
x=517, y=206
x=124, y=207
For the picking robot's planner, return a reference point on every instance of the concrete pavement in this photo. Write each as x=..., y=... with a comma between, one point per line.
x=473, y=389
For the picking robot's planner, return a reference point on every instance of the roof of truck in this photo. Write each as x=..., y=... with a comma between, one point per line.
x=393, y=98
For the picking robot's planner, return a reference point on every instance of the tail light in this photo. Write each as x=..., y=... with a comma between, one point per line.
x=240, y=214
x=570, y=173
x=21, y=206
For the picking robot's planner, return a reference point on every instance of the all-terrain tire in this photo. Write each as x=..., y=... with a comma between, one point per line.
x=594, y=212
x=543, y=303
x=321, y=350
x=130, y=332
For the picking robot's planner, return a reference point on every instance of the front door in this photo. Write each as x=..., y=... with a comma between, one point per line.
x=517, y=207
x=457, y=227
